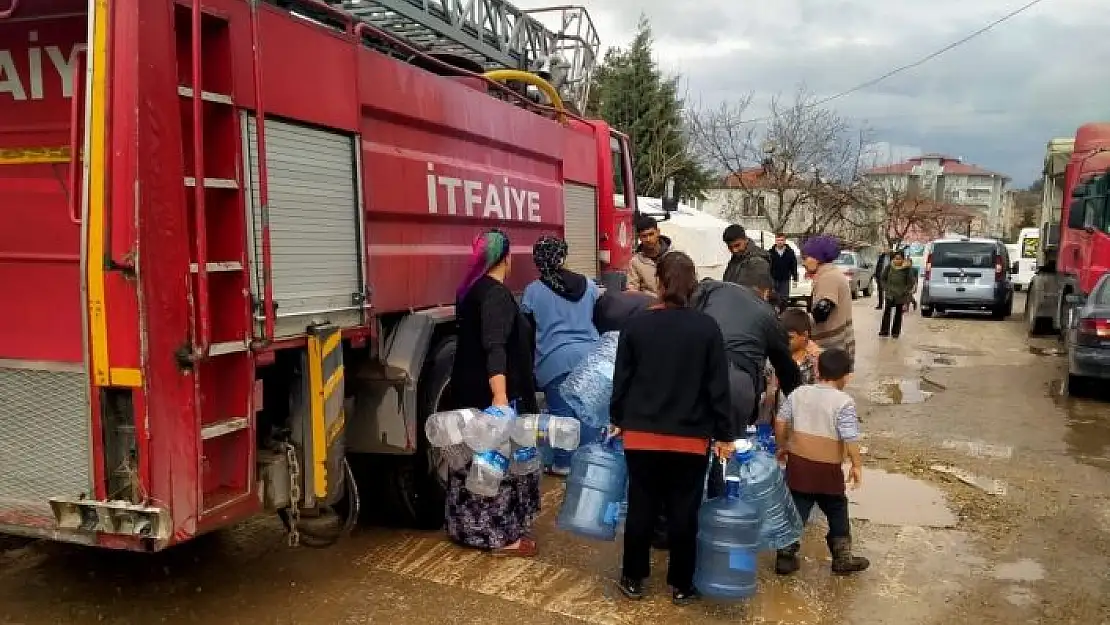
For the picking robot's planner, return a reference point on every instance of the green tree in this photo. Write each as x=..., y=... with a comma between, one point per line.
x=633, y=95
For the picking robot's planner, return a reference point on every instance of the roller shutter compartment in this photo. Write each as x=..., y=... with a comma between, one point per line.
x=580, y=229
x=315, y=230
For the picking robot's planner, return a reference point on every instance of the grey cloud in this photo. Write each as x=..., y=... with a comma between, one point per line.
x=995, y=101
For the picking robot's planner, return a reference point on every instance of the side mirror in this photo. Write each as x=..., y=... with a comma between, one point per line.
x=670, y=198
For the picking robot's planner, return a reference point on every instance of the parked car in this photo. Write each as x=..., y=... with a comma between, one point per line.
x=801, y=292
x=860, y=271
x=1088, y=339
x=967, y=273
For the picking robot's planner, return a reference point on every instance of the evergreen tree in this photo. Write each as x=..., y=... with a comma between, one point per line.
x=631, y=93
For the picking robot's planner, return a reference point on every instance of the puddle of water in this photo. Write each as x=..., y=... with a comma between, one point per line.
x=950, y=350
x=985, y=484
x=897, y=391
x=1020, y=597
x=1042, y=350
x=1024, y=570
x=930, y=360
x=1088, y=435
x=895, y=499
x=976, y=449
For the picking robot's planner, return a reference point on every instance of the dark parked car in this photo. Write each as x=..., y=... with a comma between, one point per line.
x=1088, y=339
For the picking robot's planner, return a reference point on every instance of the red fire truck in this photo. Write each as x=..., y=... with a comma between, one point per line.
x=230, y=235
x=1075, y=246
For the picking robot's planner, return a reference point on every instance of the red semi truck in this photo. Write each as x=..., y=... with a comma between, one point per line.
x=230, y=236
x=1075, y=244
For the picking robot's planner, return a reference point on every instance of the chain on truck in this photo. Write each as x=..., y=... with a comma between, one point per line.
x=230, y=235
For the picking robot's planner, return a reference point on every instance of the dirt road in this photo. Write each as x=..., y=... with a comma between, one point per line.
x=986, y=500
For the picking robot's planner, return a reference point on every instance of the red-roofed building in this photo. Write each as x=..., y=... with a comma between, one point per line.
x=949, y=180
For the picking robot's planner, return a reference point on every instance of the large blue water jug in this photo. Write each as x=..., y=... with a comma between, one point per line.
x=596, y=488
x=763, y=486
x=728, y=540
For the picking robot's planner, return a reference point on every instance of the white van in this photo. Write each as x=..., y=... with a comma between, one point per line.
x=1025, y=261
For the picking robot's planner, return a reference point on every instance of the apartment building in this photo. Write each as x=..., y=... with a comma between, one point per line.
x=949, y=180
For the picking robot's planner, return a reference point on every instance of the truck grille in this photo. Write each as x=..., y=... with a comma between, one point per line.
x=44, y=440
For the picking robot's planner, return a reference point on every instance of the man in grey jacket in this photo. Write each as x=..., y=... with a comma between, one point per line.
x=749, y=263
x=753, y=335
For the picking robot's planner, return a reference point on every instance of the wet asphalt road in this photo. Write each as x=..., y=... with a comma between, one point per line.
x=1028, y=541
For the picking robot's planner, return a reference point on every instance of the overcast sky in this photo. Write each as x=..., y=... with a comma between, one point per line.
x=995, y=101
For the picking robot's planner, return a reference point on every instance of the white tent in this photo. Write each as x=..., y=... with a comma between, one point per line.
x=699, y=235
x=696, y=233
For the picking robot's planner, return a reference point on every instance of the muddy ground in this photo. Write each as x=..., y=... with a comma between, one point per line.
x=987, y=500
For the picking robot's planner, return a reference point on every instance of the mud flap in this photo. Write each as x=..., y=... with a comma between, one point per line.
x=320, y=434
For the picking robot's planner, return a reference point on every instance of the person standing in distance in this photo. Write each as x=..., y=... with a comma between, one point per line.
x=749, y=263
x=641, y=269
x=670, y=398
x=880, y=269
x=784, y=267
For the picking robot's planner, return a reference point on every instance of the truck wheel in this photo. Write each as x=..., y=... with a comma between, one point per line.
x=926, y=311
x=867, y=289
x=415, y=492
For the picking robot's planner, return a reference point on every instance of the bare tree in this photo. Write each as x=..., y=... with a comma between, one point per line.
x=791, y=158
x=897, y=210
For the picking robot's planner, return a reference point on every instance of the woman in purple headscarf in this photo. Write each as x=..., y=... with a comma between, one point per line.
x=831, y=297
x=493, y=368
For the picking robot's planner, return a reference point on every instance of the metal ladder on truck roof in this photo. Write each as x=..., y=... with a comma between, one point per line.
x=495, y=35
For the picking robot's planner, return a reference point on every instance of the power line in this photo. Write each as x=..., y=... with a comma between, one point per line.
x=925, y=59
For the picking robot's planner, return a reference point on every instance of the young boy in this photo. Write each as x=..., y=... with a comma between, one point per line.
x=799, y=328
x=815, y=428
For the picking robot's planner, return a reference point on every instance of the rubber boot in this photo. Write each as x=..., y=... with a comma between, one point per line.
x=786, y=560
x=843, y=562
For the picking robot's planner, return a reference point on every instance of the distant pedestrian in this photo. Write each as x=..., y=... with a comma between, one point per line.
x=749, y=263
x=784, y=267
x=817, y=428
x=652, y=246
x=832, y=296
x=900, y=284
x=880, y=266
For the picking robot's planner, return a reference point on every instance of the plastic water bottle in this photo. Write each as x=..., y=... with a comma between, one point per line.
x=487, y=470
x=764, y=487
x=596, y=488
x=525, y=461
x=489, y=429
x=563, y=433
x=728, y=540
x=447, y=428
x=589, y=387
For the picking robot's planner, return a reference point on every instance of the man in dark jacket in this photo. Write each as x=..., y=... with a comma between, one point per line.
x=753, y=335
x=749, y=263
x=784, y=266
x=880, y=267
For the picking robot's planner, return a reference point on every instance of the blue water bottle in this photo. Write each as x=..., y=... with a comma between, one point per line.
x=728, y=540
x=763, y=486
x=596, y=488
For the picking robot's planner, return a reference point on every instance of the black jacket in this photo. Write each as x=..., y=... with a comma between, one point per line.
x=751, y=330
x=615, y=308
x=784, y=265
x=493, y=338
x=671, y=376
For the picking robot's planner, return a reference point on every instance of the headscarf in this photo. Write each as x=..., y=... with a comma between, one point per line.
x=823, y=248
x=489, y=248
x=550, y=254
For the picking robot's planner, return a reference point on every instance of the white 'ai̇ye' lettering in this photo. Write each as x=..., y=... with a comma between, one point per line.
x=479, y=199
x=32, y=85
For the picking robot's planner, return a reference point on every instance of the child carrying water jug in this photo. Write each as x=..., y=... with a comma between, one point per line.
x=816, y=427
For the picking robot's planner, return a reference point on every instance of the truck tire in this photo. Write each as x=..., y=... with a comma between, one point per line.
x=926, y=311
x=1034, y=325
x=414, y=492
